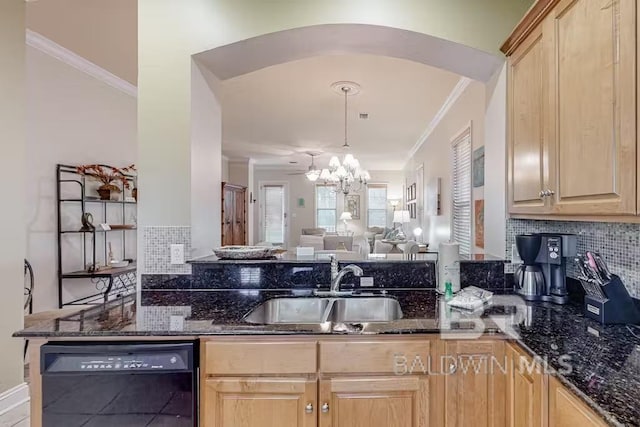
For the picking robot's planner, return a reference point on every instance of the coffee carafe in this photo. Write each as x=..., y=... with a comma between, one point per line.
x=529, y=279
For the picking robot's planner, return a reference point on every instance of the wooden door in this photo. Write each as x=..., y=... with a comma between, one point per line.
x=566, y=410
x=264, y=402
x=475, y=383
x=399, y=401
x=239, y=215
x=228, y=202
x=526, y=391
x=592, y=114
x=528, y=167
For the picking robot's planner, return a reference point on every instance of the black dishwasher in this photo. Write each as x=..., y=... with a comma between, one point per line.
x=119, y=384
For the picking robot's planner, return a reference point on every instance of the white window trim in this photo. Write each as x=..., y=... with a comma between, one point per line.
x=261, y=185
x=377, y=184
x=459, y=137
x=315, y=204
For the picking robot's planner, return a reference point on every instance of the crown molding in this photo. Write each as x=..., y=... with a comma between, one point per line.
x=62, y=54
x=457, y=90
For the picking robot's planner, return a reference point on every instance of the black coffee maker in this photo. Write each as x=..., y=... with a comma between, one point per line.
x=544, y=277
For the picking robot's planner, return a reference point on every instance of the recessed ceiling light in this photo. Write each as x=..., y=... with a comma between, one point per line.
x=364, y=116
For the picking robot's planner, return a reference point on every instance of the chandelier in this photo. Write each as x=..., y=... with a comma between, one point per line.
x=346, y=176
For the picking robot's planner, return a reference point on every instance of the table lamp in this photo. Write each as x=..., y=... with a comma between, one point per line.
x=346, y=216
x=417, y=232
x=401, y=217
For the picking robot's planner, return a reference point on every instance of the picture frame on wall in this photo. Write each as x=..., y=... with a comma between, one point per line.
x=352, y=204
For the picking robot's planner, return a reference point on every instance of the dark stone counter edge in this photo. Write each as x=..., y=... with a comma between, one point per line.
x=610, y=419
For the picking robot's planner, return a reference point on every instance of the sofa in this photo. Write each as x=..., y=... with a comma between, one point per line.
x=331, y=242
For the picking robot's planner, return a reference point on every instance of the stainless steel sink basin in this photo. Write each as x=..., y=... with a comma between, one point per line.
x=364, y=310
x=318, y=310
x=290, y=310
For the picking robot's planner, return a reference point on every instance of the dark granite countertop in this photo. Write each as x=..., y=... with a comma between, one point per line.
x=291, y=257
x=600, y=364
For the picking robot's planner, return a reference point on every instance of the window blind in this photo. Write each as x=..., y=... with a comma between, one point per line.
x=326, y=207
x=376, y=205
x=274, y=214
x=461, y=192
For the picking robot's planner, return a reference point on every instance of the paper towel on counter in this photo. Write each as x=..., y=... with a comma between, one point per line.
x=449, y=266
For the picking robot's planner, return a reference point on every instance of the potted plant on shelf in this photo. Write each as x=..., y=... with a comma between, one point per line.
x=109, y=176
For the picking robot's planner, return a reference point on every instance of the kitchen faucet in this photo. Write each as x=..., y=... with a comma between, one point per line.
x=337, y=275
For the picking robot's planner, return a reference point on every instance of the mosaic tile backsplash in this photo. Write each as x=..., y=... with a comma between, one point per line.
x=619, y=244
x=157, y=249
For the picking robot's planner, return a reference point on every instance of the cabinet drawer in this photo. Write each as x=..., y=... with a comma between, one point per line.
x=259, y=357
x=374, y=356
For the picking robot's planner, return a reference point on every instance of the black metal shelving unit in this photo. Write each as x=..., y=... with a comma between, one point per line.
x=109, y=282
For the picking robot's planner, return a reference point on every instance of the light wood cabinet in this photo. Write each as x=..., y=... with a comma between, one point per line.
x=526, y=391
x=528, y=160
x=264, y=402
x=592, y=113
x=400, y=401
x=572, y=110
x=475, y=385
x=566, y=410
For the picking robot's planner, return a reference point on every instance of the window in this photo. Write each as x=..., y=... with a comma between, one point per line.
x=274, y=214
x=461, y=191
x=326, y=207
x=376, y=205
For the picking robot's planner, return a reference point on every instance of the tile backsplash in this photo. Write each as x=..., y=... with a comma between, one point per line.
x=157, y=249
x=619, y=244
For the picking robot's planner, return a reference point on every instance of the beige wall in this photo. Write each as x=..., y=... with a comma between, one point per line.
x=495, y=160
x=13, y=175
x=104, y=32
x=172, y=30
x=75, y=119
x=435, y=155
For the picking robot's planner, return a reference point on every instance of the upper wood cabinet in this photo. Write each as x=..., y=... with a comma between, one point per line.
x=572, y=131
x=475, y=387
x=527, y=154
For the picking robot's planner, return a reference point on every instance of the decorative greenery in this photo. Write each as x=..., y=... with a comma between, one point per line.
x=107, y=175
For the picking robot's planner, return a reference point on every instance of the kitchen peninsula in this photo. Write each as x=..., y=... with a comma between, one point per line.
x=576, y=363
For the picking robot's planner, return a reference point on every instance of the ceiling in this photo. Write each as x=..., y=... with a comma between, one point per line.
x=86, y=27
x=276, y=114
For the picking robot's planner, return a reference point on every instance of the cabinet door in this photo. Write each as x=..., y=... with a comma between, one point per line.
x=399, y=401
x=526, y=391
x=475, y=383
x=264, y=402
x=592, y=119
x=228, y=202
x=566, y=410
x=239, y=222
x=527, y=166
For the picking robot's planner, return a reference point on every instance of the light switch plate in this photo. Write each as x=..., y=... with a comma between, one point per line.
x=177, y=254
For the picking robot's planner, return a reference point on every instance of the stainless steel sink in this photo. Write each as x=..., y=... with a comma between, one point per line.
x=364, y=310
x=319, y=310
x=290, y=310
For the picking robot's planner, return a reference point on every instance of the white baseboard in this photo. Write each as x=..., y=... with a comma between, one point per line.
x=13, y=398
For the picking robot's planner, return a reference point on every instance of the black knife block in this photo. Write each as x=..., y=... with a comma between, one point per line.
x=616, y=308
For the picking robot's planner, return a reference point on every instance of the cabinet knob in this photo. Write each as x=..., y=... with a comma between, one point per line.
x=542, y=194
x=550, y=193
x=325, y=407
x=452, y=368
x=309, y=408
